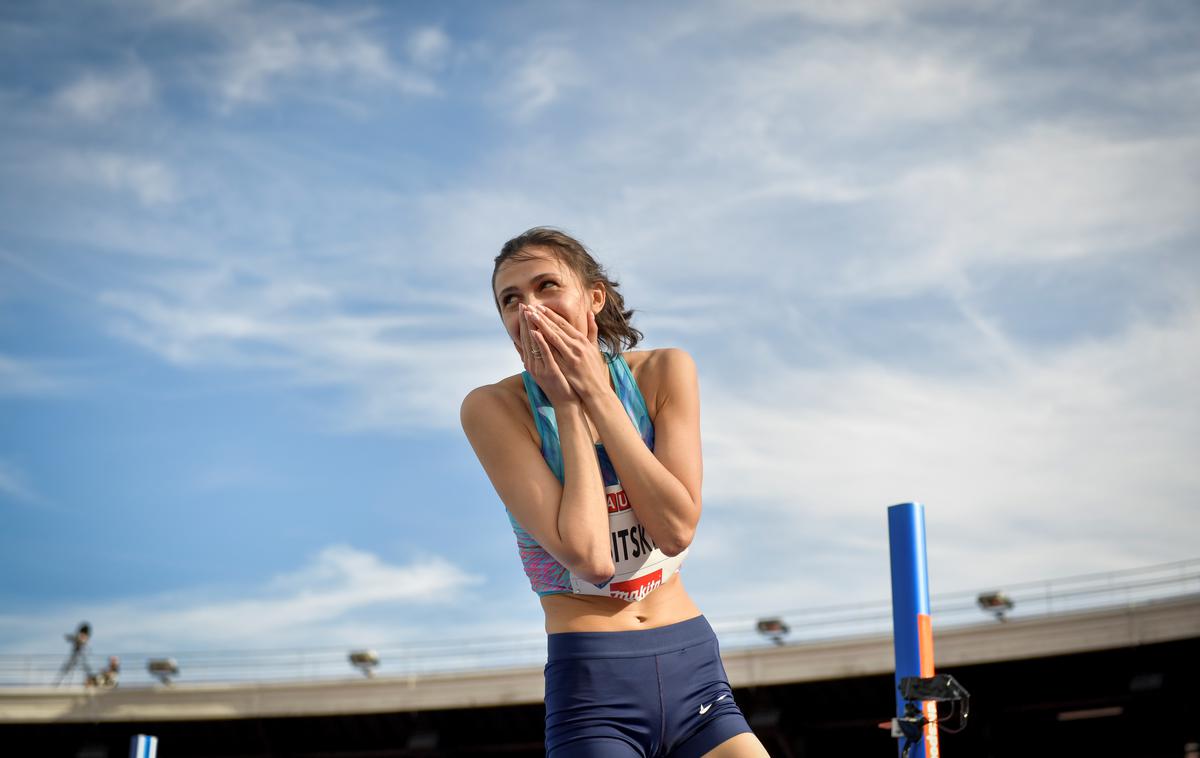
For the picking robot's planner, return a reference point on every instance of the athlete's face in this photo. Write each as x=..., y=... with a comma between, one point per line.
x=543, y=279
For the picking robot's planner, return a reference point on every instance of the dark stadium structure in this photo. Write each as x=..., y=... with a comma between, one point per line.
x=1135, y=701
x=1095, y=665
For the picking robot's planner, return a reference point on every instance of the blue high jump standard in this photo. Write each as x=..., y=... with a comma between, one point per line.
x=912, y=627
x=143, y=746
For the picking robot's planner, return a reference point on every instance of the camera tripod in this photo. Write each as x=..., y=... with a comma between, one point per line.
x=78, y=656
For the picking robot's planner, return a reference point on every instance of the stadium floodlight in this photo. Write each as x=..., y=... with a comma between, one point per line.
x=365, y=661
x=773, y=629
x=163, y=668
x=996, y=603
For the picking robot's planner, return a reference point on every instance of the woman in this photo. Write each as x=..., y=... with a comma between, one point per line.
x=596, y=454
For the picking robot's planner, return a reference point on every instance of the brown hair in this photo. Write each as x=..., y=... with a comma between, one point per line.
x=615, y=332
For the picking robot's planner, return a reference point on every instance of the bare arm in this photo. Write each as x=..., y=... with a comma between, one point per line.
x=664, y=485
x=570, y=521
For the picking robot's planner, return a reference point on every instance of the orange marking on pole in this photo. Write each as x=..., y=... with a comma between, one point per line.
x=929, y=707
x=925, y=639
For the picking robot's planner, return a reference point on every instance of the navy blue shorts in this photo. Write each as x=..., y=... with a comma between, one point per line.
x=648, y=692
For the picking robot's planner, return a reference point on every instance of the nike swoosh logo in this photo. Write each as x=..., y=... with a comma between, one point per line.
x=704, y=708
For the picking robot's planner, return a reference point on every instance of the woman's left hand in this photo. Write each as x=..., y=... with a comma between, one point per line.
x=578, y=355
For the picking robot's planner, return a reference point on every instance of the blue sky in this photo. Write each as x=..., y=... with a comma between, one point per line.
x=941, y=252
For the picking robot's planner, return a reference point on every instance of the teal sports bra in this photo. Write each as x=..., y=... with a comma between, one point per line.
x=640, y=567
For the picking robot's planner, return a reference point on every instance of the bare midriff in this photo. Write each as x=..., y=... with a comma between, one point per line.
x=669, y=604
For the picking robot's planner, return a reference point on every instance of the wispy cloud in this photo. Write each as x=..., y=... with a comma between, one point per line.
x=97, y=95
x=266, y=48
x=428, y=47
x=398, y=366
x=773, y=139
x=847, y=13
x=24, y=377
x=1048, y=195
x=1042, y=459
x=316, y=605
x=540, y=77
x=148, y=179
x=839, y=89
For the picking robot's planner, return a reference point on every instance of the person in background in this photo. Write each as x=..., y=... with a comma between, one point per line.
x=107, y=678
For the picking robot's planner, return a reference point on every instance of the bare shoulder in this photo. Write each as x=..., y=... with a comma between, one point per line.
x=504, y=400
x=660, y=363
x=661, y=372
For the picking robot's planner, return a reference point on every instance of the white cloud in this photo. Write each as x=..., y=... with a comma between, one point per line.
x=21, y=377
x=540, y=77
x=98, y=96
x=428, y=47
x=467, y=225
x=836, y=12
x=730, y=150
x=748, y=153
x=1046, y=195
x=266, y=47
x=397, y=368
x=757, y=129
x=836, y=89
x=1055, y=464
x=252, y=70
x=319, y=604
x=149, y=180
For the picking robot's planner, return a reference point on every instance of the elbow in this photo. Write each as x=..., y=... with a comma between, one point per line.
x=597, y=572
x=593, y=565
x=673, y=549
x=676, y=542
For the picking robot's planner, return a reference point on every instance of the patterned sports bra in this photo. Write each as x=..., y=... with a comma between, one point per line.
x=640, y=567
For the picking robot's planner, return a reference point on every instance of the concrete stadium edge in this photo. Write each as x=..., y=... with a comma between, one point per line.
x=1059, y=634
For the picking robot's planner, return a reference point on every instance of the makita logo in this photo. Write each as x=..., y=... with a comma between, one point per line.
x=636, y=589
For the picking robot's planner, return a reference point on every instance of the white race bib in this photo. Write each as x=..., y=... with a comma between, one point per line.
x=640, y=567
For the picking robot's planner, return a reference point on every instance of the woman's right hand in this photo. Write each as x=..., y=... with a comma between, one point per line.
x=539, y=362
